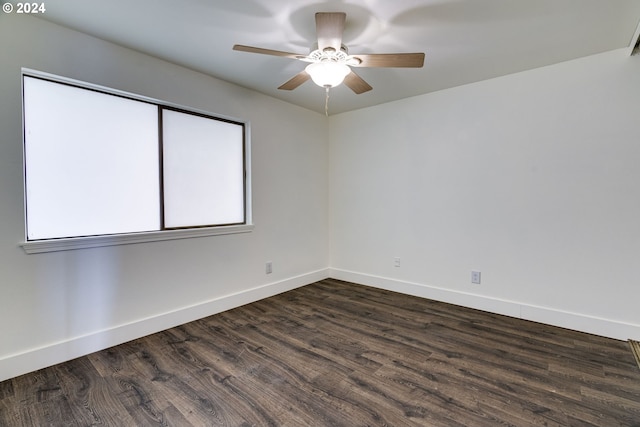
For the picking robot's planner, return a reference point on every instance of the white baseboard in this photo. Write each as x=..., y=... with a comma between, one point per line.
x=575, y=321
x=38, y=358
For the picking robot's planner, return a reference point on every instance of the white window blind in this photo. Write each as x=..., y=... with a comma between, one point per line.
x=91, y=162
x=203, y=170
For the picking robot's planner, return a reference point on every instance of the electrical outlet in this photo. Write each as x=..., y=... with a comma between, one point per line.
x=396, y=262
x=268, y=267
x=475, y=277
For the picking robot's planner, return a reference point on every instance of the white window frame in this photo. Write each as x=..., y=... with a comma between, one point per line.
x=70, y=243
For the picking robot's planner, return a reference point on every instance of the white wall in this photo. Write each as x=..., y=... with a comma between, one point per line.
x=532, y=179
x=59, y=305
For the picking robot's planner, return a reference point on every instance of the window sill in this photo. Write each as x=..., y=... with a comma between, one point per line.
x=55, y=245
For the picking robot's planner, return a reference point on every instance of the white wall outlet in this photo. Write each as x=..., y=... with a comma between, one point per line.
x=396, y=262
x=268, y=267
x=475, y=277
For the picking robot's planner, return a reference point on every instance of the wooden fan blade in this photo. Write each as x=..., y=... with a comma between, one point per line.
x=356, y=83
x=329, y=29
x=409, y=60
x=296, y=81
x=271, y=52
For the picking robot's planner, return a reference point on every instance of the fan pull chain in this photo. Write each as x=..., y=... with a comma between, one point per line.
x=326, y=102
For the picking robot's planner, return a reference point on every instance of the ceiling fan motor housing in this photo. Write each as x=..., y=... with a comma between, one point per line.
x=328, y=54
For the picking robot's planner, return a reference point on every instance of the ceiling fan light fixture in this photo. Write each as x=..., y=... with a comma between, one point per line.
x=328, y=73
x=330, y=61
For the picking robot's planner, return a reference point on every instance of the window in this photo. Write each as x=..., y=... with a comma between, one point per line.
x=108, y=167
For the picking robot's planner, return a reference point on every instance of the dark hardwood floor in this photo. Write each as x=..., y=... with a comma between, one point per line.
x=338, y=354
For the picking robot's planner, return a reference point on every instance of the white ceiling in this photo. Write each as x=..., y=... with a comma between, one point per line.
x=464, y=40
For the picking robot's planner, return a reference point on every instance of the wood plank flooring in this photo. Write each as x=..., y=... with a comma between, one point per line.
x=339, y=354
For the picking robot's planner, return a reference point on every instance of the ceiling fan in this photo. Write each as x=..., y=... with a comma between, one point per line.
x=330, y=61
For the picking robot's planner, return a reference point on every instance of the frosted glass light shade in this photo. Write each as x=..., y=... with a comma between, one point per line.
x=327, y=73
